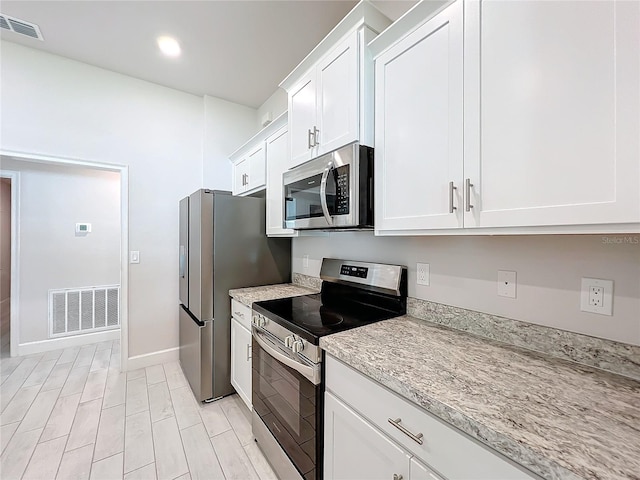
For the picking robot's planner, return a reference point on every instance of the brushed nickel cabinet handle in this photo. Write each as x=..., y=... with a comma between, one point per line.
x=248, y=352
x=397, y=476
x=467, y=193
x=315, y=136
x=451, y=189
x=416, y=437
x=309, y=134
x=240, y=314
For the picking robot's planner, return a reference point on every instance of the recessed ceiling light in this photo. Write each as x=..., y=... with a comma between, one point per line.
x=169, y=46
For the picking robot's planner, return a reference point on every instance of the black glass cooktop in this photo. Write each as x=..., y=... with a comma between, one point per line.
x=309, y=318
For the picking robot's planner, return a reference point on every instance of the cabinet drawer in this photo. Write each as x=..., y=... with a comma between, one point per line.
x=442, y=446
x=242, y=313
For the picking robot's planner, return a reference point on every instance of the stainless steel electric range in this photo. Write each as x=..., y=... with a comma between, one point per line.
x=288, y=376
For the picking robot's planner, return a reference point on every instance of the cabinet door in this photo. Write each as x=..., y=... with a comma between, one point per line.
x=419, y=471
x=337, y=92
x=256, y=159
x=552, y=113
x=302, y=119
x=419, y=126
x=240, y=177
x=241, y=361
x=277, y=160
x=353, y=449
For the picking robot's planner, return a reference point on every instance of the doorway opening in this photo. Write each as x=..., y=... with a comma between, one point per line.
x=5, y=266
x=68, y=233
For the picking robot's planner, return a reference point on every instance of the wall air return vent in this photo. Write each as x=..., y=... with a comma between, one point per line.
x=20, y=26
x=83, y=310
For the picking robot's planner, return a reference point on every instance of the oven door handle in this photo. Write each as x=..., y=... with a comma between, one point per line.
x=323, y=193
x=310, y=373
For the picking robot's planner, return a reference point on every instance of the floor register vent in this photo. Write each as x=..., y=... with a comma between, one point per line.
x=83, y=310
x=20, y=26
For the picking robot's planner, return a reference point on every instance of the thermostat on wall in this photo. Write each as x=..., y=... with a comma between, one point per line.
x=83, y=228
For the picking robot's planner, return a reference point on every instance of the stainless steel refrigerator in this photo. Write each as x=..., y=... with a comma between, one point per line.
x=223, y=245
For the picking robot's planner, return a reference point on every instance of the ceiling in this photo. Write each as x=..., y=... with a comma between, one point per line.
x=236, y=50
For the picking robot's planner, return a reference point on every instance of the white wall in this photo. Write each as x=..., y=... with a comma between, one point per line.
x=464, y=273
x=220, y=140
x=59, y=107
x=52, y=199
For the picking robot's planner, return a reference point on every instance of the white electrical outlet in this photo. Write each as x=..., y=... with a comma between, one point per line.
x=422, y=274
x=507, y=283
x=134, y=256
x=597, y=296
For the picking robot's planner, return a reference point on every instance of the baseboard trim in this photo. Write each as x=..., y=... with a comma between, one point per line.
x=153, y=358
x=66, y=342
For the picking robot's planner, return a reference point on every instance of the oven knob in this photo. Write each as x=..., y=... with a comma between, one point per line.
x=297, y=346
x=288, y=341
x=259, y=321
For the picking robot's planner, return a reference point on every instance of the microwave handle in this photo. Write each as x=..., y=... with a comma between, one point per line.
x=323, y=193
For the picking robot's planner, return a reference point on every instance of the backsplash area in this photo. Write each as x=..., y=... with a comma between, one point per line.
x=464, y=272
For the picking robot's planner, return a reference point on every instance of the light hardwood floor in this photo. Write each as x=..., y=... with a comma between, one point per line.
x=71, y=414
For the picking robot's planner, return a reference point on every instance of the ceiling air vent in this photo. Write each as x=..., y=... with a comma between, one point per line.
x=20, y=26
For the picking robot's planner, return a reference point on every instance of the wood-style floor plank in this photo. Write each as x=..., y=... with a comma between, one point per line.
x=137, y=396
x=138, y=441
x=203, y=463
x=76, y=464
x=110, y=439
x=16, y=456
x=160, y=402
x=85, y=425
x=232, y=457
x=169, y=452
x=45, y=460
x=61, y=418
x=108, y=469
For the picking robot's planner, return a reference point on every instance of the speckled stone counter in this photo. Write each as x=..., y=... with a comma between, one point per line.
x=560, y=419
x=269, y=292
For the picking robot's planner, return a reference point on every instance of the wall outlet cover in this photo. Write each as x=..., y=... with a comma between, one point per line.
x=507, y=283
x=597, y=296
x=422, y=274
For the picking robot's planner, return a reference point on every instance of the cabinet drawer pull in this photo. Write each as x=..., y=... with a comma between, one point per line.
x=397, y=476
x=415, y=437
x=467, y=194
x=451, y=189
x=248, y=352
x=240, y=314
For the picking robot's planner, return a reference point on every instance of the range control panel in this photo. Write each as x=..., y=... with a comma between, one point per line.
x=351, y=271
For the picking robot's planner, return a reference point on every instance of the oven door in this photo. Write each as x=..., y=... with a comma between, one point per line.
x=322, y=193
x=288, y=399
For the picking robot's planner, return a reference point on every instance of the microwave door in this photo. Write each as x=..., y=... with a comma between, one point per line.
x=306, y=201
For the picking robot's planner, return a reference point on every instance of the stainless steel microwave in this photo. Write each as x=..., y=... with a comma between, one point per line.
x=331, y=191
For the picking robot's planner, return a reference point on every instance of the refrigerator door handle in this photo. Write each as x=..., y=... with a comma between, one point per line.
x=183, y=258
x=200, y=323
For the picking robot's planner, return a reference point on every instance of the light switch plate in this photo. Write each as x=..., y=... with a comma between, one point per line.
x=597, y=296
x=507, y=283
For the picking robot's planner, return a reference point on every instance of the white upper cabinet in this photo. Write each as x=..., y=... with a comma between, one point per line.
x=331, y=91
x=552, y=117
x=419, y=122
x=277, y=164
x=249, y=168
x=538, y=133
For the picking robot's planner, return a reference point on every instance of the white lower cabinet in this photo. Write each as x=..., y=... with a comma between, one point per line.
x=361, y=441
x=241, y=351
x=355, y=450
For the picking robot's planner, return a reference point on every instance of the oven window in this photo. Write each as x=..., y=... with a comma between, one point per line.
x=286, y=403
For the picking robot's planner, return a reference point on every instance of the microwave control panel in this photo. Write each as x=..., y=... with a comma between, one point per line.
x=342, y=190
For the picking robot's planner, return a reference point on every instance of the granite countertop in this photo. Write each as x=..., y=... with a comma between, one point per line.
x=249, y=295
x=561, y=420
